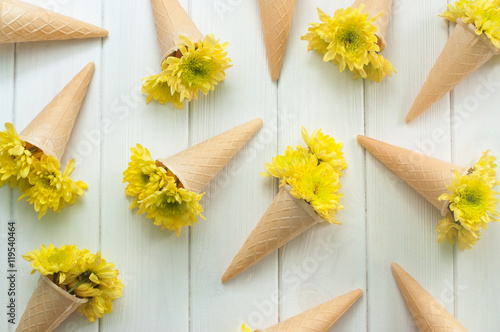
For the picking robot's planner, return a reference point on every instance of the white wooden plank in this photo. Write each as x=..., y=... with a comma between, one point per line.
x=238, y=196
x=153, y=263
x=42, y=70
x=401, y=225
x=7, y=102
x=475, y=121
x=328, y=260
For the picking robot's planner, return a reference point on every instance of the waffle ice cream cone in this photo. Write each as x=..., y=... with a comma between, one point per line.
x=51, y=129
x=276, y=18
x=198, y=165
x=321, y=318
x=171, y=22
x=429, y=315
x=48, y=307
x=23, y=22
x=464, y=52
x=284, y=220
x=428, y=176
x=373, y=8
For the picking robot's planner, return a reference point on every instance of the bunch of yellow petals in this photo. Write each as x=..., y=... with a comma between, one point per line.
x=473, y=204
x=81, y=273
x=348, y=40
x=38, y=176
x=484, y=14
x=312, y=173
x=244, y=328
x=159, y=194
x=200, y=67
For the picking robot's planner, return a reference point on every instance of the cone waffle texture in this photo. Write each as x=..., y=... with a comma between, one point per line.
x=23, y=22
x=51, y=129
x=428, y=176
x=276, y=18
x=172, y=21
x=320, y=318
x=373, y=8
x=198, y=165
x=429, y=315
x=48, y=307
x=464, y=52
x=284, y=220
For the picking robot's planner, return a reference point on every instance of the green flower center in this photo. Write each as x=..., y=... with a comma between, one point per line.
x=351, y=38
x=473, y=201
x=144, y=178
x=173, y=209
x=196, y=71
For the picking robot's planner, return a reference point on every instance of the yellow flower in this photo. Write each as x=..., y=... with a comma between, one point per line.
x=486, y=167
x=472, y=201
x=449, y=229
x=49, y=188
x=244, y=328
x=51, y=260
x=484, y=14
x=319, y=186
x=201, y=67
x=144, y=177
x=348, y=40
x=102, y=304
x=157, y=88
x=15, y=159
x=172, y=208
x=325, y=149
x=293, y=161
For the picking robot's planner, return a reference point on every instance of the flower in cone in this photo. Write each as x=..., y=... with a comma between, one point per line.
x=349, y=40
x=79, y=274
x=191, y=63
x=319, y=319
x=51, y=189
x=474, y=40
x=309, y=181
x=464, y=196
x=15, y=159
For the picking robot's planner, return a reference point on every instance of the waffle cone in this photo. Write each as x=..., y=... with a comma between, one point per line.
x=464, y=52
x=429, y=315
x=23, y=22
x=51, y=129
x=198, y=165
x=48, y=307
x=320, y=318
x=284, y=220
x=172, y=22
x=428, y=176
x=373, y=8
x=276, y=18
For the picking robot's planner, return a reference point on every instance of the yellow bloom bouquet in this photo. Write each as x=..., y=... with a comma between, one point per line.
x=169, y=190
x=309, y=181
x=349, y=39
x=159, y=194
x=191, y=62
x=473, y=42
x=463, y=195
x=70, y=279
x=472, y=203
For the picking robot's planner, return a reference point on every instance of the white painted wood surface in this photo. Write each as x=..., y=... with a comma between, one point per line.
x=173, y=284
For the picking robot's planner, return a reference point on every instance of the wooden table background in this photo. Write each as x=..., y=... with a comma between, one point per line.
x=173, y=284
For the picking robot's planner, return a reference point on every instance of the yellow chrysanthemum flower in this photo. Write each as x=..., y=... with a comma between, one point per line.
x=484, y=14
x=172, y=208
x=143, y=176
x=15, y=159
x=102, y=304
x=51, y=260
x=157, y=88
x=293, y=161
x=51, y=189
x=200, y=68
x=244, y=328
x=348, y=40
x=325, y=149
x=319, y=186
x=451, y=230
x=486, y=167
